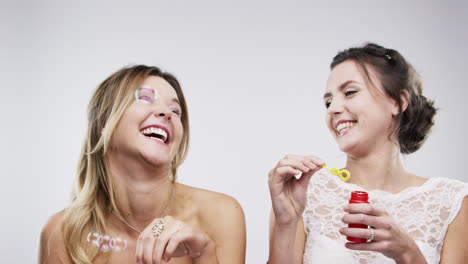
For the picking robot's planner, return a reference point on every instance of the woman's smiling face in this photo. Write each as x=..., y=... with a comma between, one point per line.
x=358, y=116
x=151, y=127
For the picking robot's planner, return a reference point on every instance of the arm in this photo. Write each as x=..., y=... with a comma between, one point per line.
x=228, y=231
x=289, y=197
x=455, y=248
x=52, y=247
x=286, y=243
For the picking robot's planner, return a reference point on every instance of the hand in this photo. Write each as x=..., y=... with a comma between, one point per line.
x=288, y=194
x=175, y=240
x=389, y=239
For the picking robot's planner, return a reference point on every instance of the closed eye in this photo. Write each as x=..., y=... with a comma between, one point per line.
x=177, y=112
x=350, y=92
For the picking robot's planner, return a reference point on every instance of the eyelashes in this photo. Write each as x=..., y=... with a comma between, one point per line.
x=177, y=112
x=350, y=92
x=347, y=93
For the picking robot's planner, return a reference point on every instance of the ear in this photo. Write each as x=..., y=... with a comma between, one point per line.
x=405, y=99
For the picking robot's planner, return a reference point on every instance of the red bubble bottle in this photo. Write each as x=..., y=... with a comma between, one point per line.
x=358, y=197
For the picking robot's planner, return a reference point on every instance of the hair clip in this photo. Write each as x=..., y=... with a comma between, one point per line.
x=390, y=59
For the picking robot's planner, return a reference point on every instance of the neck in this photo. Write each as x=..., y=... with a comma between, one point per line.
x=382, y=169
x=141, y=192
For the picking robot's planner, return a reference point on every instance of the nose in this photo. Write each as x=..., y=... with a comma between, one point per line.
x=163, y=112
x=335, y=107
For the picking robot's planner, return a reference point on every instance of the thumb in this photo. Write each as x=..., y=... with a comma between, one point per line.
x=305, y=178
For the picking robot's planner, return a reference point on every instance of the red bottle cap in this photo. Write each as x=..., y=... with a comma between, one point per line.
x=359, y=197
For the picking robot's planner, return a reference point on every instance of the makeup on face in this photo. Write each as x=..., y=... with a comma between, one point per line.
x=146, y=95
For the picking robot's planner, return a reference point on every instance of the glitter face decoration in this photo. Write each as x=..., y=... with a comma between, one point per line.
x=106, y=243
x=146, y=95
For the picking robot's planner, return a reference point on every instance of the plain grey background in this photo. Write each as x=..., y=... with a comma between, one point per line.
x=253, y=72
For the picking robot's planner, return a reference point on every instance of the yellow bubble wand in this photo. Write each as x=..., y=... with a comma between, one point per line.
x=339, y=173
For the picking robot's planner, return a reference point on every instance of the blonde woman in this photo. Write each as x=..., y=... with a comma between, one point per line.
x=127, y=207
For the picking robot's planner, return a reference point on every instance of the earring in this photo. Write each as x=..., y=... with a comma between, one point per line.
x=395, y=113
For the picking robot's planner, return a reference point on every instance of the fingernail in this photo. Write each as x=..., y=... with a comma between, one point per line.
x=185, y=251
x=346, y=208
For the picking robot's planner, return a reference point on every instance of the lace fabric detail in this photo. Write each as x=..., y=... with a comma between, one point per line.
x=424, y=212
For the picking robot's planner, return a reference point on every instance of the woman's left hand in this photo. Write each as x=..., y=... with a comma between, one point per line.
x=176, y=239
x=388, y=239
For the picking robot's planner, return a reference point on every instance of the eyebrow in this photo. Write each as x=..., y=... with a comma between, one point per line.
x=175, y=100
x=340, y=88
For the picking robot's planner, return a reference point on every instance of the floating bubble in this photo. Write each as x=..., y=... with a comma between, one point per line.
x=106, y=243
x=118, y=244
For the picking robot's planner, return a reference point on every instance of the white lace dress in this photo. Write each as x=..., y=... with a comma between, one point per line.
x=424, y=212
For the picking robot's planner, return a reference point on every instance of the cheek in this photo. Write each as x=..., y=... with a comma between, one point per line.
x=329, y=122
x=179, y=129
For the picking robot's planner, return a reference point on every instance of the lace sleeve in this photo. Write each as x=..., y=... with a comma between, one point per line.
x=460, y=192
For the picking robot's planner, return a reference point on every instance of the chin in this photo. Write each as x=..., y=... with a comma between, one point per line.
x=346, y=147
x=157, y=159
x=158, y=162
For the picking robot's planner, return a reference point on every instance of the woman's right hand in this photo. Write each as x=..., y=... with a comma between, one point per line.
x=288, y=194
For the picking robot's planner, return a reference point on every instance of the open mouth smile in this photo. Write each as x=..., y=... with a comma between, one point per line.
x=343, y=127
x=157, y=133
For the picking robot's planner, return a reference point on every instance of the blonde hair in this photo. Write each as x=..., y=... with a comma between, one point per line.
x=93, y=193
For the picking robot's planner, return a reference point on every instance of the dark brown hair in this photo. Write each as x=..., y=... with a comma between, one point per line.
x=396, y=75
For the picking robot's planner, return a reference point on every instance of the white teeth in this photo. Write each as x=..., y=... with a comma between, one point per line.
x=342, y=127
x=160, y=133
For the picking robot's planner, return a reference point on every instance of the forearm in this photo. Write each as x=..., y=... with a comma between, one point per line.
x=412, y=256
x=282, y=244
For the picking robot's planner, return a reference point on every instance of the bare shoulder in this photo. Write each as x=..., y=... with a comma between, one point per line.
x=221, y=217
x=455, y=247
x=417, y=180
x=52, y=246
x=211, y=204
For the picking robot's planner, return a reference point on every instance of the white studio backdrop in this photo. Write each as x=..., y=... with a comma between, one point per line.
x=253, y=72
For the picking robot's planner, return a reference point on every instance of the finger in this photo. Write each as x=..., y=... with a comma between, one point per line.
x=148, y=245
x=282, y=174
x=364, y=208
x=315, y=160
x=161, y=242
x=139, y=250
x=382, y=222
x=363, y=233
x=311, y=162
x=177, y=241
x=305, y=178
x=378, y=246
x=299, y=164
